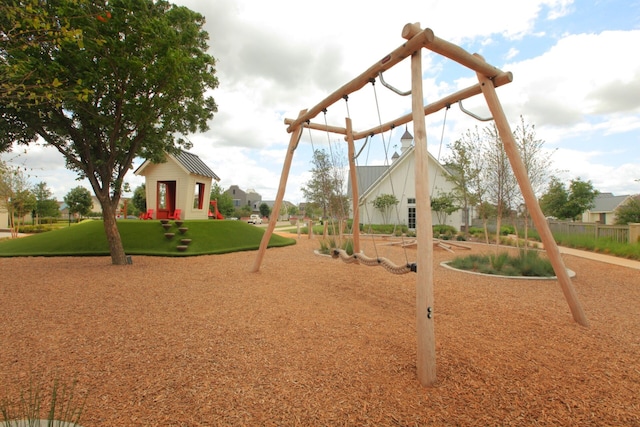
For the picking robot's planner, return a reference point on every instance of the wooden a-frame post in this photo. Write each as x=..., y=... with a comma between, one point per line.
x=273, y=219
x=520, y=171
x=351, y=152
x=425, y=331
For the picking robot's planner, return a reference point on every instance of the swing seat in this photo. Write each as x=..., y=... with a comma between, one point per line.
x=372, y=262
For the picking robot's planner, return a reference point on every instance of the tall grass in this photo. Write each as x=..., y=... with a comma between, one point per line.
x=62, y=408
x=601, y=245
x=327, y=245
x=526, y=263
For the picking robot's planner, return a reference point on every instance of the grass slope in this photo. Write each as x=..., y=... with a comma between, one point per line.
x=143, y=238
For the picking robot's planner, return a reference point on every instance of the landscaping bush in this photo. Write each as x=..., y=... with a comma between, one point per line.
x=32, y=229
x=527, y=264
x=396, y=230
x=443, y=231
x=507, y=229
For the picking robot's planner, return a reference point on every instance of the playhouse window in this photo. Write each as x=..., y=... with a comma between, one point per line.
x=162, y=195
x=198, y=196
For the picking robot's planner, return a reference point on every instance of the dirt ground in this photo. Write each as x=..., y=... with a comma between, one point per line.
x=313, y=341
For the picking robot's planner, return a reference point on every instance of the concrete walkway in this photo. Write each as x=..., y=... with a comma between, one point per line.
x=601, y=257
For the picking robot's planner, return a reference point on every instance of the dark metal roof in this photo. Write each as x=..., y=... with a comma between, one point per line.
x=193, y=164
x=607, y=202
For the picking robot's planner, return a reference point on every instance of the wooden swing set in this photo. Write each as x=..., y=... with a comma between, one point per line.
x=489, y=78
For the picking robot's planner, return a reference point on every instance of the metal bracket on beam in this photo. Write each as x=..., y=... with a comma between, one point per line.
x=475, y=116
x=388, y=86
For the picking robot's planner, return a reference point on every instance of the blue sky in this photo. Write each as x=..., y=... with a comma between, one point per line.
x=575, y=65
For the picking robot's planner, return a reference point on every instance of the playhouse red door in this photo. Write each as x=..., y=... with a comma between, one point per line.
x=166, y=199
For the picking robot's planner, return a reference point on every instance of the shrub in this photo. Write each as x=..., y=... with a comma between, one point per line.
x=32, y=229
x=507, y=229
x=396, y=230
x=527, y=264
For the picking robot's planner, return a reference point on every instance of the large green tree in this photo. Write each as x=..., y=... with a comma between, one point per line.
x=568, y=203
x=46, y=204
x=78, y=201
x=25, y=26
x=145, y=77
x=629, y=212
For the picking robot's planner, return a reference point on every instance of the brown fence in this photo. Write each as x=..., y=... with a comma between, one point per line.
x=618, y=233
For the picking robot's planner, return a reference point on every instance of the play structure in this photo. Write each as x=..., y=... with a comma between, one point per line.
x=489, y=78
x=214, y=213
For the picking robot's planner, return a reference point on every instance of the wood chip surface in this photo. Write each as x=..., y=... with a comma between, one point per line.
x=312, y=341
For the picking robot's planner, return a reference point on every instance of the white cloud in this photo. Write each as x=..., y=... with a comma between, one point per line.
x=276, y=58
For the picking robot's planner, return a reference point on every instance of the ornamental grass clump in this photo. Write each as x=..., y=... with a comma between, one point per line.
x=35, y=408
x=327, y=246
x=526, y=264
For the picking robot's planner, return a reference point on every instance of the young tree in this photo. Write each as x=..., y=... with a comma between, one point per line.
x=46, y=204
x=6, y=192
x=537, y=162
x=325, y=188
x=225, y=202
x=144, y=73
x=265, y=210
x=501, y=182
x=16, y=195
x=443, y=205
x=78, y=201
x=293, y=210
x=465, y=167
x=385, y=203
x=139, y=199
x=629, y=212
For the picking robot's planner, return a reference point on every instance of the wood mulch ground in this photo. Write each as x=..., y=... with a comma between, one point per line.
x=313, y=341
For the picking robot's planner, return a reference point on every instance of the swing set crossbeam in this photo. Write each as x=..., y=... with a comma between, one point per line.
x=476, y=89
x=416, y=40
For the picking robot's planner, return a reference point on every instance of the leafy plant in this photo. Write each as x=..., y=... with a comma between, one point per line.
x=64, y=407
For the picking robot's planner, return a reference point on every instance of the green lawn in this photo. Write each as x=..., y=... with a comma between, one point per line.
x=143, y=238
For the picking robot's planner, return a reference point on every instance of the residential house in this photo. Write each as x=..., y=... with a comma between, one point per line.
x=182, y=182
x=245, y=198
x=604, y=208
x=4, y=216
x=398, y=179
x=284, y=208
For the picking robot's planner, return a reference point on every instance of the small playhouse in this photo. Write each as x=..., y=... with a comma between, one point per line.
x=178, y=188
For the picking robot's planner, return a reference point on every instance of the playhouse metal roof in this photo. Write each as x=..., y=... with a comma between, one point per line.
x=189, y=162
x=195, y=165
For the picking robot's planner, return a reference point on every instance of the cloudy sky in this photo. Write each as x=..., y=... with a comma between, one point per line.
x=575, y=66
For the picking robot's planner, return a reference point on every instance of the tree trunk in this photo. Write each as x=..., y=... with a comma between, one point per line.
x=118, y=257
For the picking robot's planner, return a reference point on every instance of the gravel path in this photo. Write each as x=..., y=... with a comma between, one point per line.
x=312, y=341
